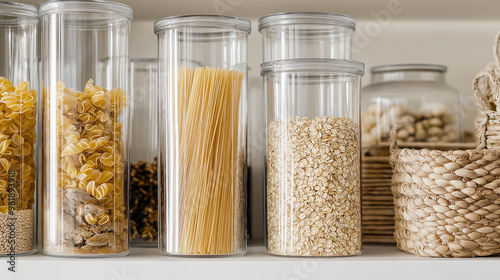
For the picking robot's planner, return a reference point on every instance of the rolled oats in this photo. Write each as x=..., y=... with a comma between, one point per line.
x=313, y=187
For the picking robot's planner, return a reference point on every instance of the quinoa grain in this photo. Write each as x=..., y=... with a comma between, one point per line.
x=24, y=230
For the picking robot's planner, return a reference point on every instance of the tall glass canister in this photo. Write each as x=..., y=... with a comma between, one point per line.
x=298, y=35
x=203, y=126
x=18, y=127
x=313, y=181
x=143, y=153
x=84, y=47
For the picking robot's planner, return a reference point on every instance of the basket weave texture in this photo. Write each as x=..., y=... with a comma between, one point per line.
x=447, y=203
x=377, y=199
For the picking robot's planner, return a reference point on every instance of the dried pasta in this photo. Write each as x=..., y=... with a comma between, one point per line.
x=211, y=180
x=18, y=106
x=17, y=139
x=91, y=170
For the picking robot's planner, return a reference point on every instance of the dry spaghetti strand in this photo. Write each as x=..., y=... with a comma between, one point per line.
x=208, y=104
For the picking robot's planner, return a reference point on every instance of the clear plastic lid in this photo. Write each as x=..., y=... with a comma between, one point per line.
x=307, y=18
x=96, y=7
x=15, y=9
x=205, y=21
x=408, y=67
x=334, y=66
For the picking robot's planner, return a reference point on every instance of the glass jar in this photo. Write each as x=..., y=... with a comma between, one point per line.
x=306, y=35
x=203, y=131
x=143, y=153
x=313, y=157
x=85, y=110
x=18, y=128
x=415, y=95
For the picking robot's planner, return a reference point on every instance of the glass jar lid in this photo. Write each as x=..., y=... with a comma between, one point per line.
x=333, y=66
x=206, y=21
x=16, y=9
x=307, y=18
x=86, y=6
x=408, y=67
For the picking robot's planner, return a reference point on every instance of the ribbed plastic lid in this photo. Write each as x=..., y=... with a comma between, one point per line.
x=408, y=67
x=213, y=21
x=18, y=9
x=333, y=66
x=307, y=18
x=86, y=6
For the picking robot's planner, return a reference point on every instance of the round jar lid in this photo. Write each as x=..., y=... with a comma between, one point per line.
x=208, y=21
x=307, y=18
x=86, y=6
x=333, y=66
x=408, y=67
x=16, y=9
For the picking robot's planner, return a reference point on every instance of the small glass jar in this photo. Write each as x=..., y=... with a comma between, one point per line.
x=84, y=47
x=306, y=35
x=143, y=153
x=18, y=128
x=203, y=131
x=313, y=157
x=415, y=95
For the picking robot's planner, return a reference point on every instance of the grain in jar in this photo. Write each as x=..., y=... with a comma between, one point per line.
x=313, y=157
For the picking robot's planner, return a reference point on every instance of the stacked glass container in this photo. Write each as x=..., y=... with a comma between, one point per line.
x=203, y=131
x=143, y=153
x=313, y=135
x=85, y=110
x=18, y=128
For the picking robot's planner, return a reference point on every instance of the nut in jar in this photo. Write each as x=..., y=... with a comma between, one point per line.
x=434, y=122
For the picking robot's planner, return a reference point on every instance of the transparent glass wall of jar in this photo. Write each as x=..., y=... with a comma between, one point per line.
x=415, y=95
x=18, y=127
x=203, y=126
x=84, y=47
x=143, y=153
x=313, y=187
x=306, y=35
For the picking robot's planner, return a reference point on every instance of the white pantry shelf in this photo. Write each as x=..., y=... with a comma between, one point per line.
x=376, y=262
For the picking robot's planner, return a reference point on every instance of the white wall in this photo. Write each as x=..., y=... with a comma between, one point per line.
x=464, y=46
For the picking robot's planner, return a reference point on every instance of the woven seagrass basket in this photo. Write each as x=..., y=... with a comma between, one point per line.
x=377, y=198
x=446, y=203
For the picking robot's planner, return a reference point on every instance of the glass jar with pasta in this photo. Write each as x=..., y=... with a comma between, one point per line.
x=18, y=127
x=85, y=151
x=203, y=126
